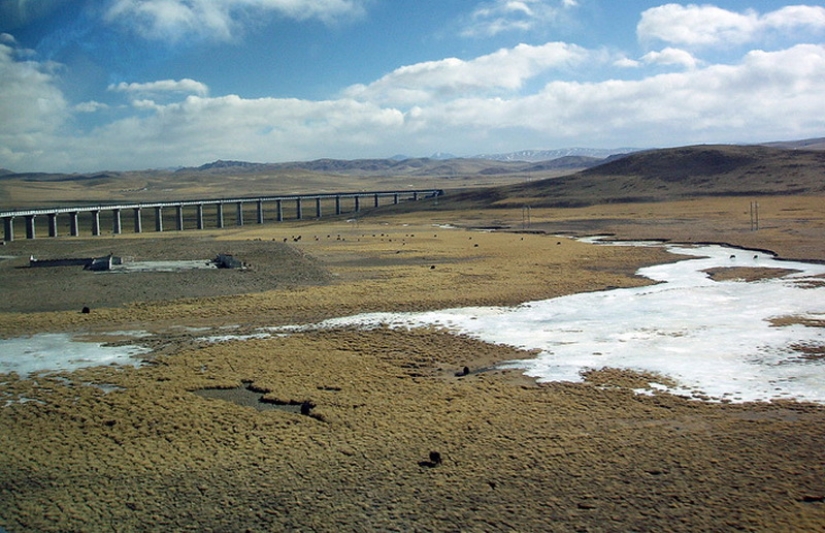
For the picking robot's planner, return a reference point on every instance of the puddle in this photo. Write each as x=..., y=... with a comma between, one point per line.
x=245, y=397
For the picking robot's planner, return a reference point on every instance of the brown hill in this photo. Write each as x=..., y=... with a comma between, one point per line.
x=669, y=174
x=804, y=144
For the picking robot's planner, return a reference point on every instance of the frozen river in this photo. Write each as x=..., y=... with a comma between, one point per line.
x=713, y=338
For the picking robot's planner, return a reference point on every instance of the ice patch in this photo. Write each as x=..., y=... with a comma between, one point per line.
x=55, y=352
x=715, y=339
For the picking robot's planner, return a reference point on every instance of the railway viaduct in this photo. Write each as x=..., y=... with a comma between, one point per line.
x=297, y=202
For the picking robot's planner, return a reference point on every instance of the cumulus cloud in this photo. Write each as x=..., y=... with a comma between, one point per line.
x=218, y=19
x=767, y=94
x=32, y=107
x=707, y=25
x=450, y=105
x=200, y=129
x=505, y=70
x=626, y=62
x=185, y=85
x=671, y=56
x=90, y=106
x=492, y=18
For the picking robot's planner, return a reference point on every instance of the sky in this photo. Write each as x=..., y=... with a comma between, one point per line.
x=90, y=85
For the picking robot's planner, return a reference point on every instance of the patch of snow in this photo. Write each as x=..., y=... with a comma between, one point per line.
x=714, y=338
x=55, y=352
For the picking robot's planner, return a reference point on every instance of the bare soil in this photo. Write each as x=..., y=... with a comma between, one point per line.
x=515, y=456
x=269, y=266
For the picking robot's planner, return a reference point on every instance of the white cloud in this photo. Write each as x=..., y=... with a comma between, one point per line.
x=706, y=25
x=218, y=19
x=492, y=18
x=626, y=62
x=463, y=107
x=796, y=17
x=767, y=95
x=32, y=108
x=671, y=56
x=185, y=85
x=90, y=107
x=505, y=70
x=201, y=129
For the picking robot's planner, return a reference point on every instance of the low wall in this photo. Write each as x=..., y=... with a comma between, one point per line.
x=89, y=263
x=79, y=261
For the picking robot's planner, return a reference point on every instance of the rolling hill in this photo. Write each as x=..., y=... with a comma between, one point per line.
x=669, y=174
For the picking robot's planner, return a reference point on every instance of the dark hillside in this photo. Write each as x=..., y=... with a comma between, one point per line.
x=679, y=164
x=670, y=174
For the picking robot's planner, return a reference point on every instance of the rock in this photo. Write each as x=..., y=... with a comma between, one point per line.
x=435, y=460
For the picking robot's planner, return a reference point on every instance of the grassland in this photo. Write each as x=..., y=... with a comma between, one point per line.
x=516, y=456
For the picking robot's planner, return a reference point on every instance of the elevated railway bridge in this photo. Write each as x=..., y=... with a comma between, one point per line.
x=198, y=212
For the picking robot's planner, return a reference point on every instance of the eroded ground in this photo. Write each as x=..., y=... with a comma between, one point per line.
x=153, y=455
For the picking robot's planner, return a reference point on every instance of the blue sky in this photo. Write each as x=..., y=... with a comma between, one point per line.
x=90, y=85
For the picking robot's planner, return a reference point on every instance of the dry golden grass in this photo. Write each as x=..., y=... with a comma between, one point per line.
x=516, y=456
x=392, y=264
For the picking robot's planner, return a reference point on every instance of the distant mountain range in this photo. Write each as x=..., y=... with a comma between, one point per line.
x=546, y=155
x=530, y=156
x=396, y=166
x=438, y=163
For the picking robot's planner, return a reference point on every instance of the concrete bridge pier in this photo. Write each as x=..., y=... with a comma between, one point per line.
x=220, y=215
x=318, y=207
x=138, y=224
x=179, y=217
x=357, y=204
x=337, y=205
x=52, y=224
x=8, y=229
x=260, y=206
x=239, y=216
x=74, y=230
x=199, y=216
x=116, y=222
x=376, y=200
x=280, y=209
x=30, y=226
x=95, y=223
x=158, y=219
x=395, y=199
x=298, y=214
x=415, y=196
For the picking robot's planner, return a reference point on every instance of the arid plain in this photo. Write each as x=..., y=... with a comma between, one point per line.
x=515, y=456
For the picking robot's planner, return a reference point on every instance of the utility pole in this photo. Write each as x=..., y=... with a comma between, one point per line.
x=754, y=216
